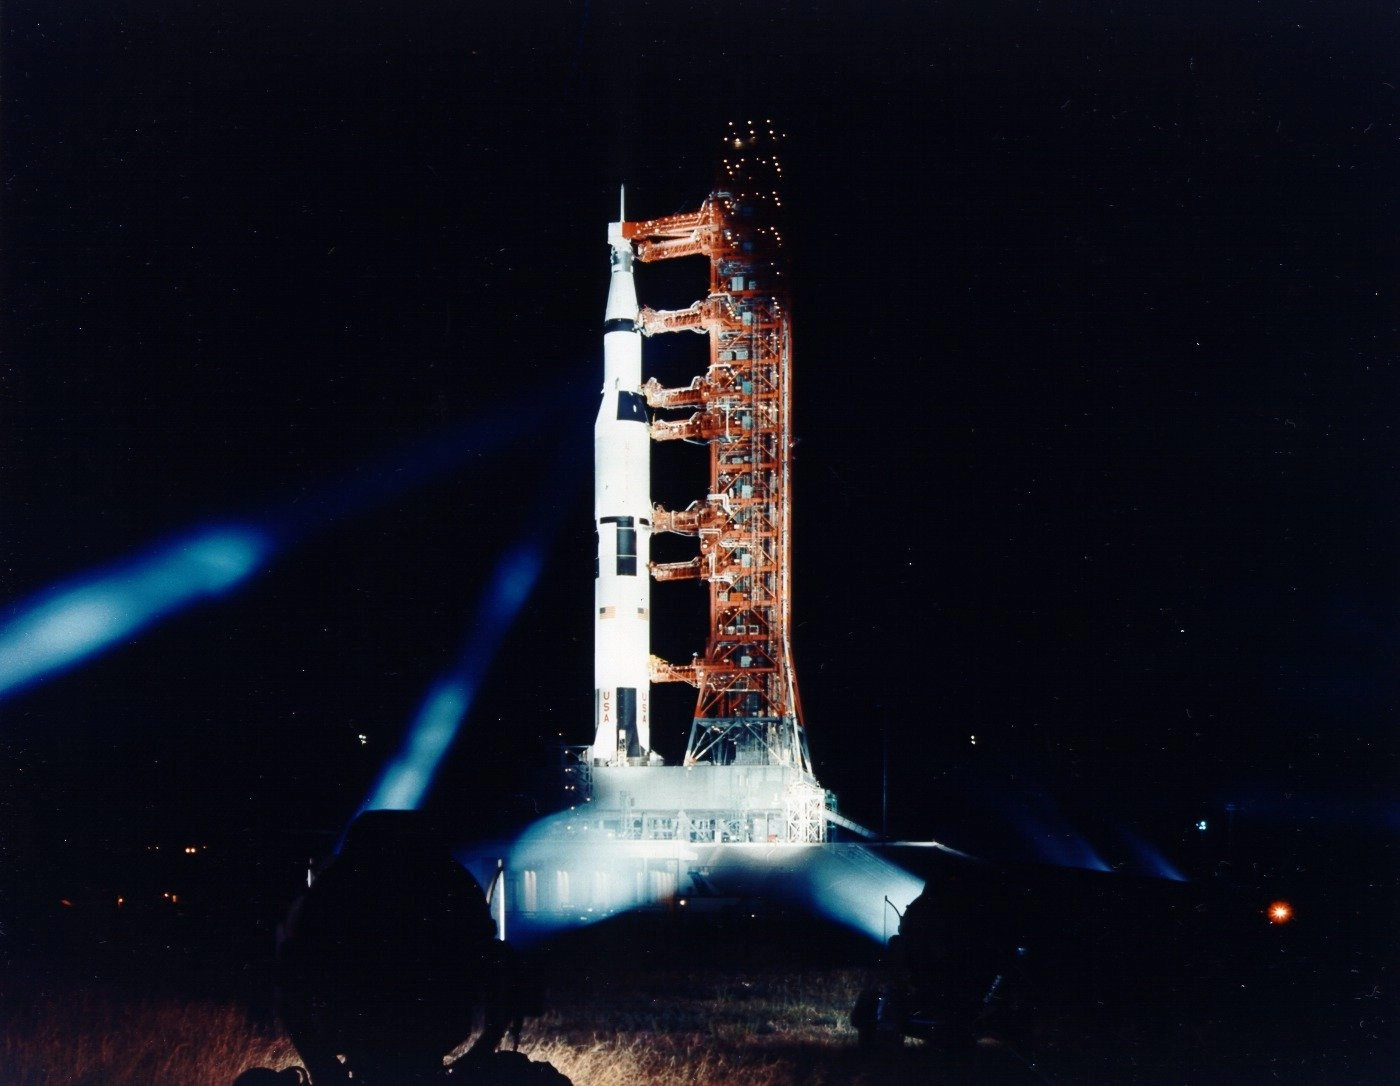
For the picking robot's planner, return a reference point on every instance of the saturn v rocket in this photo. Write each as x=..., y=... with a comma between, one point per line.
x=622, y=520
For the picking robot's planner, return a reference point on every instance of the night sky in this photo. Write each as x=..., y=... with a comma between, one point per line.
x=1095, y=393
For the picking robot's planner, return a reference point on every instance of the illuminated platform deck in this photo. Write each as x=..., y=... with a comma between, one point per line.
x=702, y=804
x=748, y=838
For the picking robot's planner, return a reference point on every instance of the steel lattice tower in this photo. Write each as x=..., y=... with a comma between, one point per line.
x=747, y=709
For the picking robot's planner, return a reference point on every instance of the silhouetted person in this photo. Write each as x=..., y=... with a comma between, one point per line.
x=954, y=970
x=388, y=958
x=952, y=934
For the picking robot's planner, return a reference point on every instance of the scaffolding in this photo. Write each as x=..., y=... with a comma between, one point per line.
x=747, y=708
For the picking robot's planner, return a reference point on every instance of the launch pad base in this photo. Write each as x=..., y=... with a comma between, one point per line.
x=704, y=804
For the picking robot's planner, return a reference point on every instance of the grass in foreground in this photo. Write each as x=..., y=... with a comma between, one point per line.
x=92, y=1037
x=695, y=1029
x=703, y=1029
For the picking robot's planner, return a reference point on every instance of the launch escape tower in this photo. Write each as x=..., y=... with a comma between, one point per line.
x=747, y=773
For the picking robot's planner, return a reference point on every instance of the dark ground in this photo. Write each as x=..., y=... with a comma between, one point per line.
x=1129, y=979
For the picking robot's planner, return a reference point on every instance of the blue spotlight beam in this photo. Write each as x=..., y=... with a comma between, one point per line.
x=57, y=629
x=406, y=778
x=490, y=432
x=54, y=631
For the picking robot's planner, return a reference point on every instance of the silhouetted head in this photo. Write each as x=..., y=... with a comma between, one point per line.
x=389, y=955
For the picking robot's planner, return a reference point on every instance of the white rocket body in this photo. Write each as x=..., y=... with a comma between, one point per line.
x=622, y=519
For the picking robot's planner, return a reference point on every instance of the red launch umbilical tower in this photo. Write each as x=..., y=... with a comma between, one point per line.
x=747, y=710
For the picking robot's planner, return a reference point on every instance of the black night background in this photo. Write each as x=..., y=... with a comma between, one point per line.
x=1095, y=392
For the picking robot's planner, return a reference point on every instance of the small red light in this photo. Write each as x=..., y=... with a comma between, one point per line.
x=1280, y=912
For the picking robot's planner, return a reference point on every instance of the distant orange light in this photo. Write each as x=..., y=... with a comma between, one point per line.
x=1280, y=912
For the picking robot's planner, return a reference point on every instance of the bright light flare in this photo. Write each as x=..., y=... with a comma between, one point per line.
x=54, y=631
x=1280, y=912
x=581, y=877
x=861, y=890
x=584, y=875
